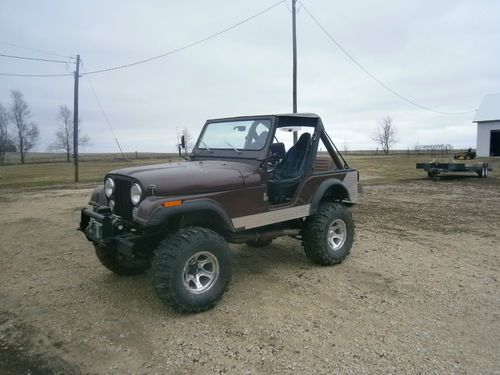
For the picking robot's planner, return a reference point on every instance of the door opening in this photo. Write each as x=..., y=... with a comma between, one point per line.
x=495, y=143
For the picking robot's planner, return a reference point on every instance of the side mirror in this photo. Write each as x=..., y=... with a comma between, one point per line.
x=182, y=145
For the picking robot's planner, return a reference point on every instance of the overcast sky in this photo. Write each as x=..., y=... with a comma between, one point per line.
x=441, y=54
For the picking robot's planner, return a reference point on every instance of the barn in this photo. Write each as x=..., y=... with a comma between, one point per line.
x=488, y=126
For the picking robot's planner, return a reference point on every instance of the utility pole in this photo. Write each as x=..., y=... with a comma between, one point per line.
x=75, y=117
x=294, y=41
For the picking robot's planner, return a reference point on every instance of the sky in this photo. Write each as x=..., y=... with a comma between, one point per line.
x=440, y=54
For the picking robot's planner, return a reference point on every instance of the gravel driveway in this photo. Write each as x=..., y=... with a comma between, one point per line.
x=418, y=294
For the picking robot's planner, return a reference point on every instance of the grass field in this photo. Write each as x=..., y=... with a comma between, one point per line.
x=373, y=169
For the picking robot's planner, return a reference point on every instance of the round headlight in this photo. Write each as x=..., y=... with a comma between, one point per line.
x=109, y=187
x=135, y=194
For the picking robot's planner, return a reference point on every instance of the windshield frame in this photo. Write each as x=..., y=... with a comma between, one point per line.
x=199, y=150
x=251, y=123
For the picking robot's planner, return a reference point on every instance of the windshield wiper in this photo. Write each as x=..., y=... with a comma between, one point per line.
x=230, y=145
x=204, y=144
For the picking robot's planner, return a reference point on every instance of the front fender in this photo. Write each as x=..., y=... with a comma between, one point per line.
x=98, y=197
x=153, y=213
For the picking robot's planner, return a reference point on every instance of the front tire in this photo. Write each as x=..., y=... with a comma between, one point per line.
x=329, y=234
x=191, y=269
x=117, y=263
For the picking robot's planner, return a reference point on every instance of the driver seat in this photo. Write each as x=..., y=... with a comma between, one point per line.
x=287, y=175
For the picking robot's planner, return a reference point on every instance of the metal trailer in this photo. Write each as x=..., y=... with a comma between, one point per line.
x=435, y=169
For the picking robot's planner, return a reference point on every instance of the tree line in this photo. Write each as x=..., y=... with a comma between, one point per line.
x=19, y=134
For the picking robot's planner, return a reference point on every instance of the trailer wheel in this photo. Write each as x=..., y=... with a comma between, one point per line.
x=483, y=173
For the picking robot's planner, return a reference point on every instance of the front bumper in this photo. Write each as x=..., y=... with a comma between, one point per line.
x=97, y=224
x=101, y=227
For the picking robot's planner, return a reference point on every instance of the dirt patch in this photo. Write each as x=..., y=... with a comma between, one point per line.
x=24, y=351
x=418, y=294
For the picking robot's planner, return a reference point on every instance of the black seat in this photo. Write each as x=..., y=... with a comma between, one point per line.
x=289, y=172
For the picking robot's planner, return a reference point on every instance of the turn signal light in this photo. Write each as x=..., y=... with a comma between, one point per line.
x=172, y=204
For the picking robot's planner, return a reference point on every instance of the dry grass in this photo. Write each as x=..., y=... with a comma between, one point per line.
x=47, y=174
x=376, y=169
x=12, y=158
x=373, y=169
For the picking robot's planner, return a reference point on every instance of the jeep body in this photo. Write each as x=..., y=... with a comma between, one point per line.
x=240, y=185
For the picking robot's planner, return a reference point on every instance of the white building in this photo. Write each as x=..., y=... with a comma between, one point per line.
x=488, y=126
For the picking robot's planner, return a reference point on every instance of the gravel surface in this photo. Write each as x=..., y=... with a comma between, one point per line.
x=418, y=294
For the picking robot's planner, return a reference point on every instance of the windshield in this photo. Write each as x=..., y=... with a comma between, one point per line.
x=235, y=135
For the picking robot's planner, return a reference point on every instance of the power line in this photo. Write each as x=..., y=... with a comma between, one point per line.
x=372, y=76
x=211, y=36
x=102, y=109
x=35, y=75
x=32, y=58
x=36, y=50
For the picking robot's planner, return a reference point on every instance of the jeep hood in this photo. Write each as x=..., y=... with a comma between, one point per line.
x=193, y=177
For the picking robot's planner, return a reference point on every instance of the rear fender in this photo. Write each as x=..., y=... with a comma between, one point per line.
x=331, y=189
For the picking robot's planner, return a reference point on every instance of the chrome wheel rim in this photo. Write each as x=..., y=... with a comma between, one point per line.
x=200, y=272
x=337, y=234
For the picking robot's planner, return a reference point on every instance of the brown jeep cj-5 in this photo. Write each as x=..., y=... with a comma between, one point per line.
x=240, y=185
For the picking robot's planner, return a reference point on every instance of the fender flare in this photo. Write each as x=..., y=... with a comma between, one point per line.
x=323, y=188
x=98, y=197
x=161, y=214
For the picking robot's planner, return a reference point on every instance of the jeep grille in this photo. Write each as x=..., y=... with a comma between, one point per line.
x=123, y=204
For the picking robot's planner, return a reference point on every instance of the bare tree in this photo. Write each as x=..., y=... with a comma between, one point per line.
x=27, y=133
x=345, y=146
x=5, y=139
x=386, y=135
x=65, y=133
x=31, y=137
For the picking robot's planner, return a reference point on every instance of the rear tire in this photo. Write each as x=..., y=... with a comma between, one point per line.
x=191, y=269
x=329, y=234
x=117, y=263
